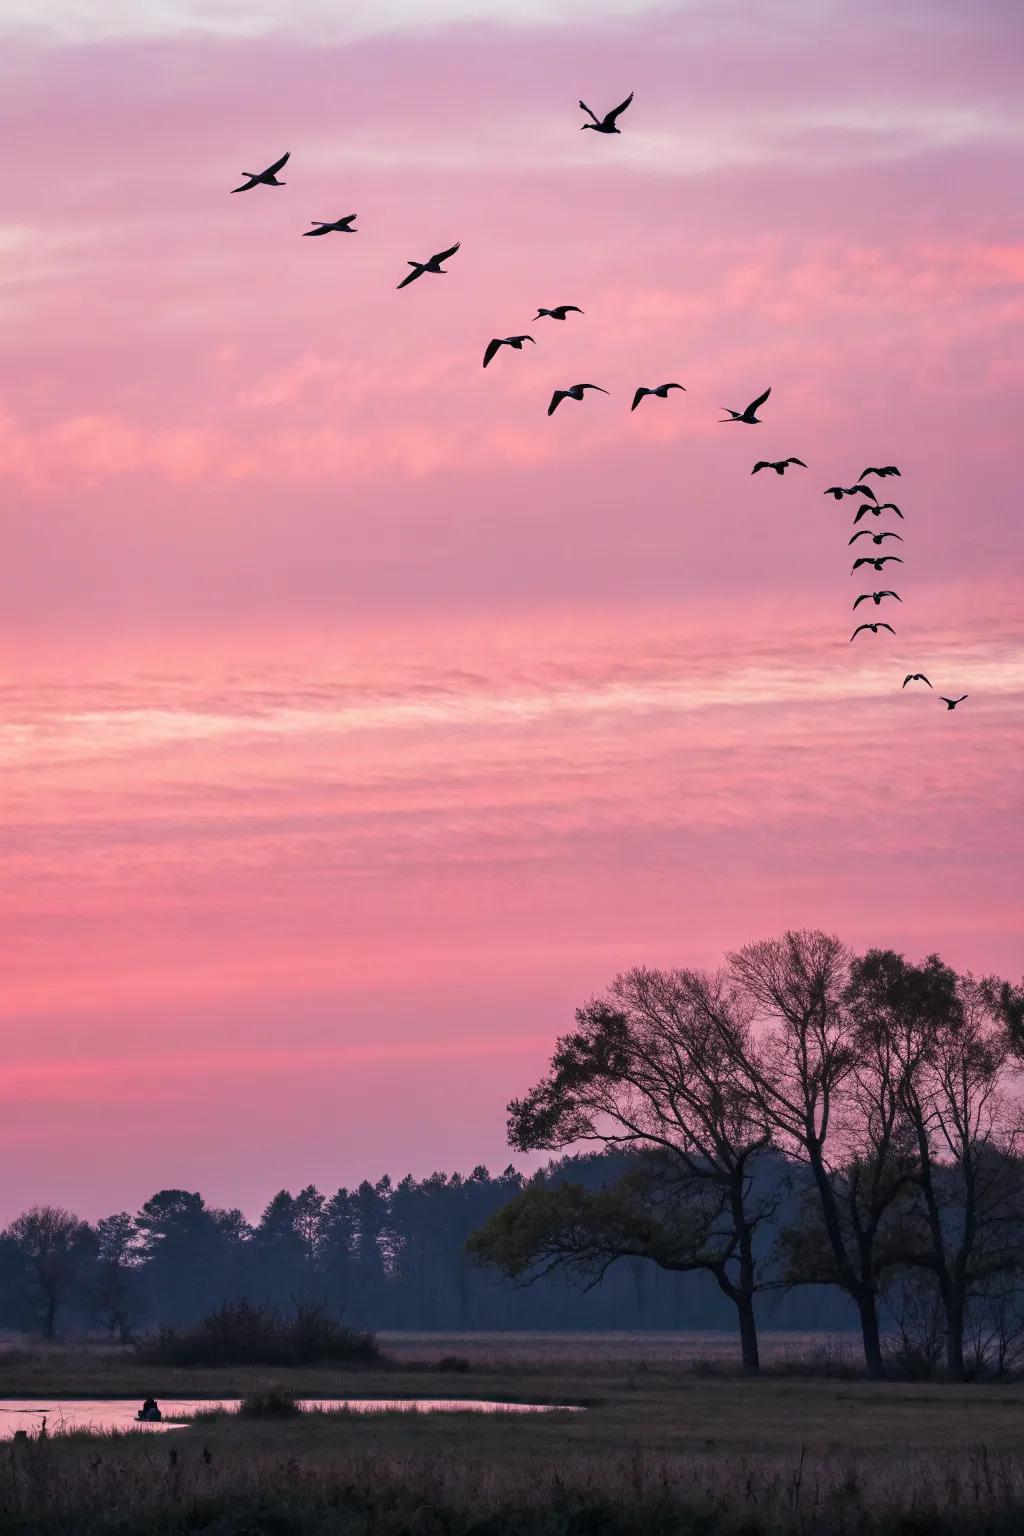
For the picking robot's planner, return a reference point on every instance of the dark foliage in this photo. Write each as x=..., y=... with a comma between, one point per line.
x=239, y=1333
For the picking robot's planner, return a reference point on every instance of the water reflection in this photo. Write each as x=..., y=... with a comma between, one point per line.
x=62, y=1414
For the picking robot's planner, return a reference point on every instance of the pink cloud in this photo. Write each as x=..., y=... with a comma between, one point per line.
x=346, y=696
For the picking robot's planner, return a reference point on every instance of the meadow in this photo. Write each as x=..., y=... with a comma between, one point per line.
x=672, y=1440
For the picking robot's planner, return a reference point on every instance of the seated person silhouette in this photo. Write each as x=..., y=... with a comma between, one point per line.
x=149, y=1413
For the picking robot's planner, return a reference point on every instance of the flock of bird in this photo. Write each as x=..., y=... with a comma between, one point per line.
x=434, y=266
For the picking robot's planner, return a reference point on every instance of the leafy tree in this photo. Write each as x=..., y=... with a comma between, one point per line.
x=648, y=1068
x=116, y=1287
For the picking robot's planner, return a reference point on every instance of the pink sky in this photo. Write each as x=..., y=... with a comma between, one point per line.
x=358, y=721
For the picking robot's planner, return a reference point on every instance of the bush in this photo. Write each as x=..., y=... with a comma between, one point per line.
x=240, y=1333
x=457, y=1363
x=274, y=1403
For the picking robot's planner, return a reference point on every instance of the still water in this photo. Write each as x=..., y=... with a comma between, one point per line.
x=119, y=1413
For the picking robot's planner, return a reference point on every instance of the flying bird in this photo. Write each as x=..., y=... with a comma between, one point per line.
x=886, y=469
x=497, y=342
x=839, y=491
x=875, y=561
x=876, y=538
x=433, y=265
x=874, y=628
x=875, y=597
x=574, y=392
x=915, y=677
x=749, y=414
x=606, y=124
x=952, y=703
x=661, y=390
x=887, y=506
x=560, y=310
x=779, y=465
x=267, y=178
x=325, y=227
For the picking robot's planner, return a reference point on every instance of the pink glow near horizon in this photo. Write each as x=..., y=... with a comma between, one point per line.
x=358, y=721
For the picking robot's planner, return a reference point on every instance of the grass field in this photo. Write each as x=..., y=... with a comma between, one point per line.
x=662, y=1447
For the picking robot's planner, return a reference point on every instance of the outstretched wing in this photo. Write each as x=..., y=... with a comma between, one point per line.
x=862, y=512
x=752, y=407
x=862, y=490
x=556, y=400
x=861, y=534
x=245, y=184
x=638, y=397
x=862, y=599
x=796, y=461
x=592, y=114
x=883, y=558
x=278, y=165
x=891, y=594
x=883, y=625
x=890, y=506
x=411, y=276
x=619, y=109
x=565, y=308
x=762, y=464
x=858, y=630
x=888, y=534
x=864, y=560
x=443, y=255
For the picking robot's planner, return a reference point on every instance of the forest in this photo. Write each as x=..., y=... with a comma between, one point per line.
x=383, y=1256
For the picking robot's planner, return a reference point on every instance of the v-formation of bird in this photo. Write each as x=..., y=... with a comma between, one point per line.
x=434, y=266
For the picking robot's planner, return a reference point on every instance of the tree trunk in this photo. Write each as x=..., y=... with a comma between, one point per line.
x=748, y=1334
x=867, y=1307
x=955, y=1309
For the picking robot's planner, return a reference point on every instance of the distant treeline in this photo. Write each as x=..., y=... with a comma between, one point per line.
x=384, y=1255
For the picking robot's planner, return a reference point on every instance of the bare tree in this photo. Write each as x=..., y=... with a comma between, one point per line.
x=649, y=1068
x=945, y=1041
x=830, y=1106
x=53, y=1245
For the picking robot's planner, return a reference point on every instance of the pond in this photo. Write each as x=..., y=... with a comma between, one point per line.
x=119, y=1413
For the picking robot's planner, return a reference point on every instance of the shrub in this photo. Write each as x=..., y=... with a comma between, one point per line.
x=457, y=1363
x=274, y=1403
x=241, y=1333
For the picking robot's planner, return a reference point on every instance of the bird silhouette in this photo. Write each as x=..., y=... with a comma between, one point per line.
x=875, y=561
x=839, y=491
x=267, y=178
x=324, y=227
x=779, y=465
x=497, y=342
x=433, y=265
x=606, y=124
x=874, y=628
x=749, y=413
x=875, y=597
x=873, y=469
x=560, y=310
x=887, y=506
x=915, y=677
x=661, y=390
x=574, y=392
x=952, y=703
x=876, y=538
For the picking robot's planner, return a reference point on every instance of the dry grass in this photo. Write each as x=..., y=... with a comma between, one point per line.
x=660, y=1450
